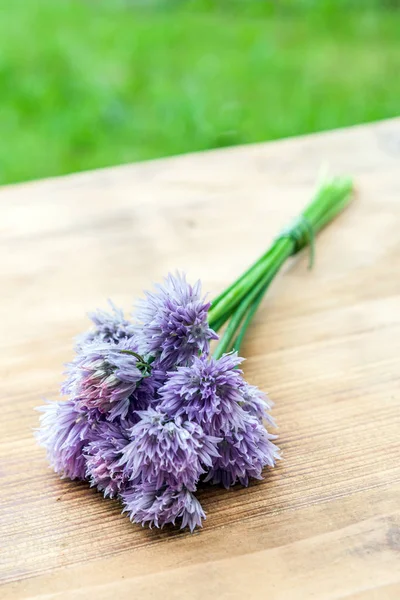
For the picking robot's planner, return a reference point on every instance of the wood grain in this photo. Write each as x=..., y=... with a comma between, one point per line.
x=325, y=344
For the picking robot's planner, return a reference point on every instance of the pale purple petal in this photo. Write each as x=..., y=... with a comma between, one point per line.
x=208, y=392
x=256, y=403
x=243, y=454
x=148, y=505
x=103, y=454
x=103, y=375
x=108, y=327
x=168, y=451
x=64, y=431
x=173, y=322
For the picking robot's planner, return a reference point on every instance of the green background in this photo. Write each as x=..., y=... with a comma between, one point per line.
x=86, y=84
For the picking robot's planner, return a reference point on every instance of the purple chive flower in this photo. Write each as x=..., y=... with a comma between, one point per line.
x=108, y=327
x=104, y=376
x=208, y=392
x=148, y=505
x=144, y=396
x=64, y=431
x=102, y=455
x=243, y=454
x=256, y=403
x=167, y=451
x=151, y=413
x=173, y=322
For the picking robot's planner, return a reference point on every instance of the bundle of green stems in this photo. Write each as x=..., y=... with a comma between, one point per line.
x=236, y=306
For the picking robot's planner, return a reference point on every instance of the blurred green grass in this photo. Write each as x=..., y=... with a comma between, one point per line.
x=86, y=84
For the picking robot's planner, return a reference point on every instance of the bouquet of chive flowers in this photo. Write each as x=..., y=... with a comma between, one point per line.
x=150, y=413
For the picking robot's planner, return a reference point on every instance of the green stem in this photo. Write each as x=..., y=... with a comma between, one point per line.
x=279, y=251
x=241, y=278
x=216, y=325
x=241, y=299
x=254, y=295
x=247, y=320
x=329, y=201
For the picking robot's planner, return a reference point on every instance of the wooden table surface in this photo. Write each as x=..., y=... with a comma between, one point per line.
x=325, y=344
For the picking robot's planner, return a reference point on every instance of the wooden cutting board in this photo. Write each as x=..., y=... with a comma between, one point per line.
x=325, y=345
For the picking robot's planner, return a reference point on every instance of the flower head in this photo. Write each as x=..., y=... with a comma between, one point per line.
x=64, y=431
x=108, y=327
x=151, y=413
x=148, y=505
x=208, y=392
x=173, y=322
x=243, y=454
x=103, y=454
x=167, y=451
x=104, y=376
x=256, y=403
x=144, y=396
